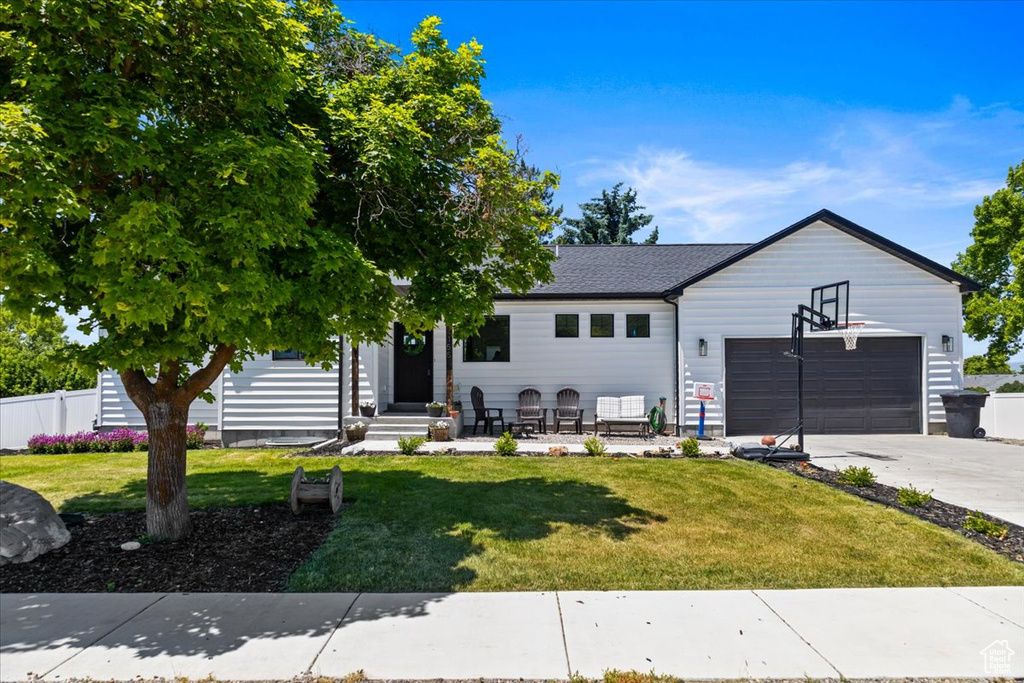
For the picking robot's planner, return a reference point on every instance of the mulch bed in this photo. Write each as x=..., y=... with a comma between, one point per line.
x=237, y=550
x=935, y=511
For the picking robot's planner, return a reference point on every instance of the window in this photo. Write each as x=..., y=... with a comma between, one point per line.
x=638, y=324
x=491, y=344
x=602, y=324
x=288, y=354
x=567, y=325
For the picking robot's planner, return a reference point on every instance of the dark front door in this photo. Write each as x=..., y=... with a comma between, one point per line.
x=414, y=363
x=875, y=389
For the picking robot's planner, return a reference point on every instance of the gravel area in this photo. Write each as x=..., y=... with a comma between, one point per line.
x=231, y=550
x=935, y=511
x=614, y=439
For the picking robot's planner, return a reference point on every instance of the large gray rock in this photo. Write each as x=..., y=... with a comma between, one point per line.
x=29, y=526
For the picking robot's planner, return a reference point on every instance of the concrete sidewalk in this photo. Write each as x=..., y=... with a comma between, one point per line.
x=852, y=633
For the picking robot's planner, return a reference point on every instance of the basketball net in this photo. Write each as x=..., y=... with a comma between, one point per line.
x=850, y=334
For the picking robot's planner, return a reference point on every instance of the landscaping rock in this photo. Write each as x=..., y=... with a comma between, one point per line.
x=29, y=526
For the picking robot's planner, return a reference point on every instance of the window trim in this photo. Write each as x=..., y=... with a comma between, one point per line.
x=602, y=336
x=508, y=328
x=567, y=315
x=638, y=315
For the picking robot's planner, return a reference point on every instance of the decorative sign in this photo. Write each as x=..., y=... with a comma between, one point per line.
x=413, y=345
x=704, y=391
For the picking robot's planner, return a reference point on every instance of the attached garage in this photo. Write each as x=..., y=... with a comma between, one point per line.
x=875, y=389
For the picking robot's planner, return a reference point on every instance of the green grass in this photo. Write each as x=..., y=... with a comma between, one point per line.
x=488, y=524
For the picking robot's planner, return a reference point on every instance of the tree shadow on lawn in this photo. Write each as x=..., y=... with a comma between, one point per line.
x=407, y=531
x=400, y=530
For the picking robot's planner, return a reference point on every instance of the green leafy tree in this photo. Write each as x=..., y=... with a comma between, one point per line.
x=612, y=218
x=36, y=357
x=212, y=180
x=987, y=365
x=1014, y=387
x=996, y=261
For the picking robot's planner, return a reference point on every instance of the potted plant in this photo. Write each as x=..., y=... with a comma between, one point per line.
x=435, y=409
x=356, y=431
x=439, y=431
x=367, y=408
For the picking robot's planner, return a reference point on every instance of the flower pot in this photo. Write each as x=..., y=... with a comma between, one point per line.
x=367, y=411
x=439, y=434
x=453, y=414
x=355, y=434
x=435, y=412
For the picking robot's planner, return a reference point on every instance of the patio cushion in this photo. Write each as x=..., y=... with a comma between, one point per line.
x=631, y=407
x=607, y=407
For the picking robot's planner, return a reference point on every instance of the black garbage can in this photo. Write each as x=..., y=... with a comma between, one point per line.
x=963, y=414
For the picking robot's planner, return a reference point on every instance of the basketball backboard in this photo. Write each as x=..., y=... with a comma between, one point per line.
x=830, y=306
x=704, y=391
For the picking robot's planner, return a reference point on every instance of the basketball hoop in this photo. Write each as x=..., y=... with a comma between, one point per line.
x=850, y=334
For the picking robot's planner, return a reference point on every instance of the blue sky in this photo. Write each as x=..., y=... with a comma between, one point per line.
x=733, y=120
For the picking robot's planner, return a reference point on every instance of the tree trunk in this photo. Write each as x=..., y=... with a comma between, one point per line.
x=166, y=489
x=164, y=403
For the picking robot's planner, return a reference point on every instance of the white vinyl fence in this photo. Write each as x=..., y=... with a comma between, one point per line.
x=62, y=412
x=1003, y=416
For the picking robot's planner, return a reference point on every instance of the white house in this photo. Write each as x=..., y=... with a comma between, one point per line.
x=652, y=320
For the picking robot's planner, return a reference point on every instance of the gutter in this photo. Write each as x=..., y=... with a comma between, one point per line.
x=675, y=363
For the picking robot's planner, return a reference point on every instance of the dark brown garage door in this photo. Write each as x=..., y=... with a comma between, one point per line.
x=875, y=389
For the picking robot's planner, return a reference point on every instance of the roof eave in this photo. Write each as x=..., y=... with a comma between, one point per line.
x=849, y=227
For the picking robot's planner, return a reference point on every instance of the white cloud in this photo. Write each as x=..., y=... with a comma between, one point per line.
x=883, y=159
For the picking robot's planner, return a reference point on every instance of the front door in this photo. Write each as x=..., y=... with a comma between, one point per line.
x=414, y=364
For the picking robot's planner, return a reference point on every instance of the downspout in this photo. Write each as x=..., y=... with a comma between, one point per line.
x=675, y=364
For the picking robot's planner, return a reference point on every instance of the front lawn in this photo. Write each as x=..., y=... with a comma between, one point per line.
x=489, y=524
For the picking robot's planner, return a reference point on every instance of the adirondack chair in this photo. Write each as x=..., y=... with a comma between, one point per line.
x=568, y=409
x=483, y=414
x=529, y=409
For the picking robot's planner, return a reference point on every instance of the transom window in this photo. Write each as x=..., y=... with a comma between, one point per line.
x=491, y=344
x=638, y=324
x=567, y=325
x=602, y=324
x=288, y=354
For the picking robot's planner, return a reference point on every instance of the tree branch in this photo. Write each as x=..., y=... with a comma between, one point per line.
x=201, y=379
x=139, y=389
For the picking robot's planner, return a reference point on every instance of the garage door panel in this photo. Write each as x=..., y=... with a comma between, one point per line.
x=873, y=389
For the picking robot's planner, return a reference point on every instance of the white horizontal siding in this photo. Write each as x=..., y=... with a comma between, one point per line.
x=615, y=366
x=756, y=297
x=117, y=410
x=287, y=395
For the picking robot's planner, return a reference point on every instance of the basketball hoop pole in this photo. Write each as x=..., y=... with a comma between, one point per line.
x=700, y=423
x=827, y=298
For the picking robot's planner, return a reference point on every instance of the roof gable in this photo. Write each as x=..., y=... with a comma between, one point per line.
x=846, y=226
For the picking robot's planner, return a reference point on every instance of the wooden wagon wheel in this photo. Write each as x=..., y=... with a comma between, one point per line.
x=297, y=478
x=336, y=486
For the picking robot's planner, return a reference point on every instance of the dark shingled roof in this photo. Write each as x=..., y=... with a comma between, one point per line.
x=620, y=271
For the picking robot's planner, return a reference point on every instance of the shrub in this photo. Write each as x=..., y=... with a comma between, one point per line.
x=980, y=390
x=506, y=445
x=856, y=476
x=976, y=522
x=912, y=497
x=409, y=445
x=194, y=436
x=1014, y=387
x=594, y=446
x=689, y=447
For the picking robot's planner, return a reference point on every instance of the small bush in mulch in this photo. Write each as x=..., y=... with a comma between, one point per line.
x=238, y=550
x=856, y=476
x=953, y=517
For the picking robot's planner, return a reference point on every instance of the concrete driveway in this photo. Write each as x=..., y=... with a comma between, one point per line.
x=976, y=474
